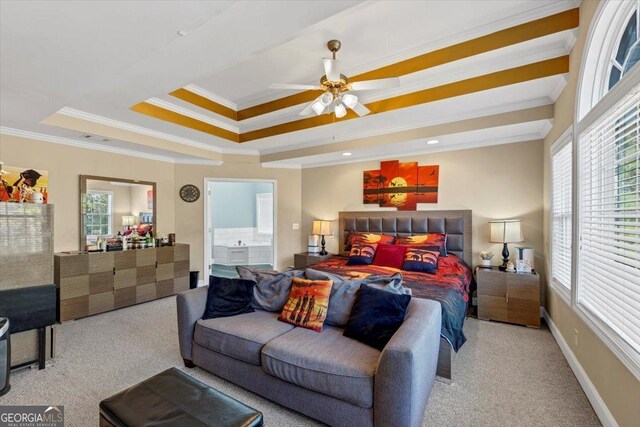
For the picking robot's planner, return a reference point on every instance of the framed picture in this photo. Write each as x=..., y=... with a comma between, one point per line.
x=24, y=185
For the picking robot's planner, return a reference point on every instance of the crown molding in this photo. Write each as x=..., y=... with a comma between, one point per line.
x=211, y=96
x=70, y=112
x=511, y=20
x=180, y=161
x=193, y=114
x=97, y=147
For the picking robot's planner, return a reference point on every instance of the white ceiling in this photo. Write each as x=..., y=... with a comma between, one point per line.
x=101, y=58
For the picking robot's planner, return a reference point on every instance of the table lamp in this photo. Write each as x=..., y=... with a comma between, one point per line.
x=128, y=221
x=322, y=227
x=506, y=231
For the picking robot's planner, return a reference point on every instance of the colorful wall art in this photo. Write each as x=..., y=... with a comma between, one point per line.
x=23, y=185
x=400, y=185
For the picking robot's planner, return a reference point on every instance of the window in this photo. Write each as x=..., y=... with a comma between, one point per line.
x=606, y=235
x=628, y=51
x=264, y=213
x=561, y=215
x=98, y=213
x=608, y=283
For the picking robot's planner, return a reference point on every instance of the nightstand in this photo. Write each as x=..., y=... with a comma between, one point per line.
x=508, y=297
x=305, y=259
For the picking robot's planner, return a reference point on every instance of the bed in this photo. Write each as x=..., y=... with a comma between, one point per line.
x=451, y=285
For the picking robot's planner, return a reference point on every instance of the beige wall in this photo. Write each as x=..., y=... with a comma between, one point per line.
x=66, y=163
x=617, y=386
x=190, y=216
x=502, y=181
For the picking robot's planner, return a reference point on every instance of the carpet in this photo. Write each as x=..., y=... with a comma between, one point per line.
x=503, y=376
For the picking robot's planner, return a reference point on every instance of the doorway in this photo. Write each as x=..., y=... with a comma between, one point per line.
x=240, y=225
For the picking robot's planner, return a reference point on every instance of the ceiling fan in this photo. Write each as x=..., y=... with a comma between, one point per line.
x=337, y=97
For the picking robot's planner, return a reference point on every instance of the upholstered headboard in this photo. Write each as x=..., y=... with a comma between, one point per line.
x=456, y=223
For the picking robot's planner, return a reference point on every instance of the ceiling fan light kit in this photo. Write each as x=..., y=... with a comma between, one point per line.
x=336, y=86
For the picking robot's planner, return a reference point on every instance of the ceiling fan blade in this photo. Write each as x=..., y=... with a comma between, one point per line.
x=376, y=84
x=292, y=86
x=361, y=110
x=331, y=69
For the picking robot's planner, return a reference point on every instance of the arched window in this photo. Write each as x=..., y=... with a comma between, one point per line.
x=611, y=51
x=628, y=49
x=605, y=279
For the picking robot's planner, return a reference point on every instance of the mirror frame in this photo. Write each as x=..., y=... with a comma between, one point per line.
x=83, y=190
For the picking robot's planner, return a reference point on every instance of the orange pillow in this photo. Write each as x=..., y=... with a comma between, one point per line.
x=307, y=304
x=438, y=240
x=367, y=239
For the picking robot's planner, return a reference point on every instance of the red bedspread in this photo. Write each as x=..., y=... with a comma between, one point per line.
x=452, y=273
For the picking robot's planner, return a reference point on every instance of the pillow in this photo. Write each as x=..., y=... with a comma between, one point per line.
x=438, y=240
x=423, y=260
x=343, y=292
x=362, y=254
x=307, y=304
x=376, y=316
x=355, y=237
x=272, y=288
x=390, y=255
x=228, y=297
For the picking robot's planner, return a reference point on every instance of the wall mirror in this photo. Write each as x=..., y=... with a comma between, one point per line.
x=112, y=205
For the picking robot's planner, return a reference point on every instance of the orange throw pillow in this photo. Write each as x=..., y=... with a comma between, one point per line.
x=308, y=303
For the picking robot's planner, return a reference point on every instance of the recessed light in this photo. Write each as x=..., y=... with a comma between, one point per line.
x=182, y=33
x=432, y=141
x=346, y=154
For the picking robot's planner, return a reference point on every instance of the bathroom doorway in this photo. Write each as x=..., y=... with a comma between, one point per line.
x=240, y=225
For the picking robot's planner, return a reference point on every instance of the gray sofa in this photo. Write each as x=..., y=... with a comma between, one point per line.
x=326, y=376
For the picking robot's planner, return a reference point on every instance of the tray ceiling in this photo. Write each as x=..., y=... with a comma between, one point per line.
x=131, y=77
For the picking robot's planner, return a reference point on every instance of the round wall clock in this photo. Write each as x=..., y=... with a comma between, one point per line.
x=189, y=193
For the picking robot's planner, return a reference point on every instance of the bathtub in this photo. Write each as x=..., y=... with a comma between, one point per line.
x=249, y=253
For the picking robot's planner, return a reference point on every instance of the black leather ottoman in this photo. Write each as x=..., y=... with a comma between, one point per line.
x=173, y=398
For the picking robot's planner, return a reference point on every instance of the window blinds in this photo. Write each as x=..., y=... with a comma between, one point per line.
x=608, y=282
x=561, y=208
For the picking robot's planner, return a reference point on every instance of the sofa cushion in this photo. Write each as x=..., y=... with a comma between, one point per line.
x=272, y=288
x=228, y=297
x=241, y=337
x=307, y=303
x=327, y=363
x=376, y=316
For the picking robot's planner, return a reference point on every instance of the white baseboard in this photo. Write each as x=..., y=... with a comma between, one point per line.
x=606, y=418
x=200, y=282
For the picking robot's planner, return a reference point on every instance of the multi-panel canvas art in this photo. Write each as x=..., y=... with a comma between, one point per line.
x=400, y=185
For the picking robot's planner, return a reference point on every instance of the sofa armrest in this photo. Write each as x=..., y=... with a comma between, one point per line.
x=407, y=367
x=191, y=305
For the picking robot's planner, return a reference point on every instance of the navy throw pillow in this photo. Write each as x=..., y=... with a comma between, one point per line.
x=376, y=315
x=422, y=260
x=362, y=254
x=228, y=297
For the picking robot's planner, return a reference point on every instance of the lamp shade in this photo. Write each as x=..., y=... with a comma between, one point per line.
x=322, y=227
x=128, y=220
x=506, y=231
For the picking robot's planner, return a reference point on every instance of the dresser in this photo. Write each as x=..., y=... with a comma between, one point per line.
x=92, y=283
x=508, y=297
